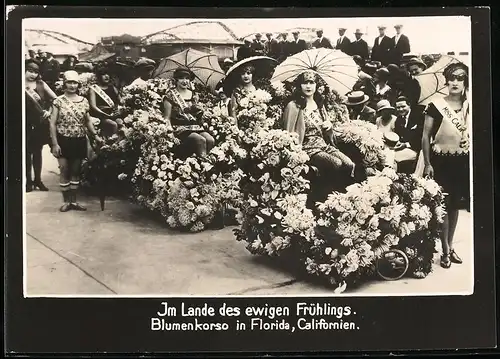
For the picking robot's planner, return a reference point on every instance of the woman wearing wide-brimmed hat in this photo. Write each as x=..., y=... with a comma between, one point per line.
x=240, y=80
x=39, y=97
x=180, y=110
x=305, y=116
x=446, y=152
x=70, y=123
x=356, y=103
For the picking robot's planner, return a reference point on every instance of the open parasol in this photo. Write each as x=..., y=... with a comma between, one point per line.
x=263, y=67
x=432, y=81
x=205, y=67
x=336, y=68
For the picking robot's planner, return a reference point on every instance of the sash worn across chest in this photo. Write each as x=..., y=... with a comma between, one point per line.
x=453, y=134
x=35, y=98
x=176, y=96
x=98, y=90
x=75, y=112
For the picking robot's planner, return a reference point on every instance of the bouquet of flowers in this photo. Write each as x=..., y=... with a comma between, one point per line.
x=385, y=211
x=363, y=143
x=274, y=214
x=222, y=128
x=281, y=93
x=252, y=116
x=140, y=98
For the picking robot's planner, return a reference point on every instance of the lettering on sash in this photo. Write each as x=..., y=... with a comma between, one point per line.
x=103, y=95
x=74, y=112
x=35, y=97
x=459, y=120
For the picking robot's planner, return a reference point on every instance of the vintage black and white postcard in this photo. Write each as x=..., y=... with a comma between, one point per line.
x=294, y=175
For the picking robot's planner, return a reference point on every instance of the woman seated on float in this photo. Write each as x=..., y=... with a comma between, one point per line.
x=311, y=122
x=244, y=86
x=180, y=110
x=104, y=99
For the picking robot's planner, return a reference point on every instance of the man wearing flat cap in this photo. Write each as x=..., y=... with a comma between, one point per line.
x=321, y=41
x=284, y=47
x=272, y=48
x=257, y=44
x=382, y=47
x=297, y=45
x=359, y=46
x=401, y=45
x=144, y=68
x=343, y=43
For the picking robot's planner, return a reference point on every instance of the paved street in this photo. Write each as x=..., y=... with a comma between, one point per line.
x=120, y=251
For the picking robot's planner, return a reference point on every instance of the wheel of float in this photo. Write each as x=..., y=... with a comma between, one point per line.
x=393, y=265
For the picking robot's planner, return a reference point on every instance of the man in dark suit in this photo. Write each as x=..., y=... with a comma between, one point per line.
x=272, y=46
x=359, y=46
x=245, y=51
x=257, y=45
x=50, y=70
x=382, y=46
x=297, y=45
x=409, y=126
x=343, y=43
x=401, y=45
x=321, y=41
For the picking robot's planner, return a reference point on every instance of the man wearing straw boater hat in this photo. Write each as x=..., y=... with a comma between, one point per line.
x=359, y=46
x=321, y=41
x=358, y=110
x=382, y=47
x=297, y=45
x=415, y=66
x=401, y=45
x=343, y=43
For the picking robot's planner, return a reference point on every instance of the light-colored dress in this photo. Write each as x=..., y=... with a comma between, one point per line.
x=386, y=127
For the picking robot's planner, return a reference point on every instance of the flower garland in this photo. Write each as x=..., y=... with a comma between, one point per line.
x=386, y=211
x=274, y=213
x=363, y=143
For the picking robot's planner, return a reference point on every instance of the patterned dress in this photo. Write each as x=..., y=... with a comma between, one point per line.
x=315, y=145
x=71, y=126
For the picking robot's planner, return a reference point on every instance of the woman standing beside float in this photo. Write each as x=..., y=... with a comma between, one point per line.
x=38, y=100
x=303, y=116
x=69, y=125
x=180, y=110
x=446, y=157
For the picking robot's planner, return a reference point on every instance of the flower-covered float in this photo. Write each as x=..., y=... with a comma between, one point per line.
x=257, y=173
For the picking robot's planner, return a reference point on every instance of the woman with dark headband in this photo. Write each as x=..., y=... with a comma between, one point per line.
x=103, y=100
x=306, y=116
x=69, y=125
x=38, y=109
x=180, y=110
x=445, y=148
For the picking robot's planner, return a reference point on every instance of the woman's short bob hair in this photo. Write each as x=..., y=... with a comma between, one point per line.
x=451, y=68
x=247, y=68
x=182, y=73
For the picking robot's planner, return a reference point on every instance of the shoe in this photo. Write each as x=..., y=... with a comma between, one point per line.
x=445, y=261
x=77, y=207
x=455, y=258
x=29, y=187
x=65, y=207
x=40, y=186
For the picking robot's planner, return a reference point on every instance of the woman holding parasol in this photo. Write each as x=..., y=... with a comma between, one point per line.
x=446, y=157
x=306, y=116
x=39, y=97
x=240, y=80
x=180, y=110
